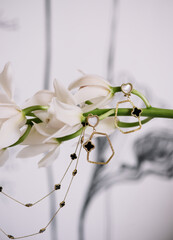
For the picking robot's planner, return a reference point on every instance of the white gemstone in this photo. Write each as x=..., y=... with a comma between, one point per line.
x=93, y=121
x=126, y=88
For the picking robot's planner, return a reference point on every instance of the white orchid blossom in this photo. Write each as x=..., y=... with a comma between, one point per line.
x=51, y=116
x=94, y=89
x=11, y=116
x=63, y=117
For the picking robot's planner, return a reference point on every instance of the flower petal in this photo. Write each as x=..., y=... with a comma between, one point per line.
x=51, y=123
x=42, y=115
x=44, y=130
x=98, y=103
x=10, y=130
x=43, y=97
x=8, y=110
x=63, y=94
x=88, y=93
x=34, y=137
x=89, y=80
x=34, y=150
x=4, y=154
x=4, y=99
x=64, y=131
x=6, y=80
x=68, y=114
x=49, y=158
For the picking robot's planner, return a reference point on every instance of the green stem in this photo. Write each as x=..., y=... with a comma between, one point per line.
x=33, y=120
x=22, y=138
x=71, y=136
x=107, y=114
x=120, y=124
x=28, y=110
x=132, y=124
x=135, y=92
x=147, y=104
x=146, y=112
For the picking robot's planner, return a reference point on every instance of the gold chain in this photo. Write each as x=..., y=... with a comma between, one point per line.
x=56, y=187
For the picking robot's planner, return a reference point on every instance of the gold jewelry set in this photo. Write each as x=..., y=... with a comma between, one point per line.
x=91, y=121
x=135, y=112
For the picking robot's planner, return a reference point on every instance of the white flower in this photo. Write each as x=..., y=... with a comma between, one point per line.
x=37, y=145
x=42, y=97
x=94, y=89
x=63, y=117
x=11, y=116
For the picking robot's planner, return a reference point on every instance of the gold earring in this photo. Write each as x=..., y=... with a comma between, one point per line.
x=136, y=112
x=92, y=121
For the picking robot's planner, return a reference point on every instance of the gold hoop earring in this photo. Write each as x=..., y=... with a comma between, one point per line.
x=136, y=112
x=92, y=121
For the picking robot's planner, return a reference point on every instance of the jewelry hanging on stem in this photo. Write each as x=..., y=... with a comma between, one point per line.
x=74, y=156
x=136, y=112
x=93, y=121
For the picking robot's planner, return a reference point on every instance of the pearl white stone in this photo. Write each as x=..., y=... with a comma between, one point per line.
x=126, y=88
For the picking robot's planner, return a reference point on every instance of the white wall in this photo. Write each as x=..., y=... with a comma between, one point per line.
x=80, y=36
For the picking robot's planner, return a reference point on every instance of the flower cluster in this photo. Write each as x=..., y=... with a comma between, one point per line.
x=49, y=117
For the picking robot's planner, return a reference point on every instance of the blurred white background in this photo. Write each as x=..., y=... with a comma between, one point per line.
x=80, y=39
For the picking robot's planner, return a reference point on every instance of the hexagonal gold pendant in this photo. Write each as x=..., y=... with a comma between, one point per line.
x=132, y=113
x=88, y=151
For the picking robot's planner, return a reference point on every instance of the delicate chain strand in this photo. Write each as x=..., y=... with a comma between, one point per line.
x=12, y=198
x=26, y=236
x=66, y=171
x=62, y=204
x=43, y=197
x=81, y=141
x=32, y=204
x=52, y=217
x=68, y=188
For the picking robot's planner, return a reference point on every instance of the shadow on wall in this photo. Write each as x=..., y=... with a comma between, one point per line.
x=154, y=154
x=10, y=25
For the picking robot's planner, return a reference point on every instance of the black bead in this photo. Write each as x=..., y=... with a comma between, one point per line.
x=10, y=236
x=1, y=189
x=73, y=156
x=62, y=204
x=74, y=172
x=57, y=186
x=42, y=230
x=29, y=205
x=88, y=146
x=83, y=124
x=136, y=112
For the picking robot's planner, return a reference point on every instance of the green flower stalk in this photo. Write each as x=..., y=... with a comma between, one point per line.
x=53, y=117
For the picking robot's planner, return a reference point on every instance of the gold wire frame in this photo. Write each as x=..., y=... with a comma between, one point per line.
x=124, y=85
x=109, y=141
x=116, y=118
x=90, y=116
